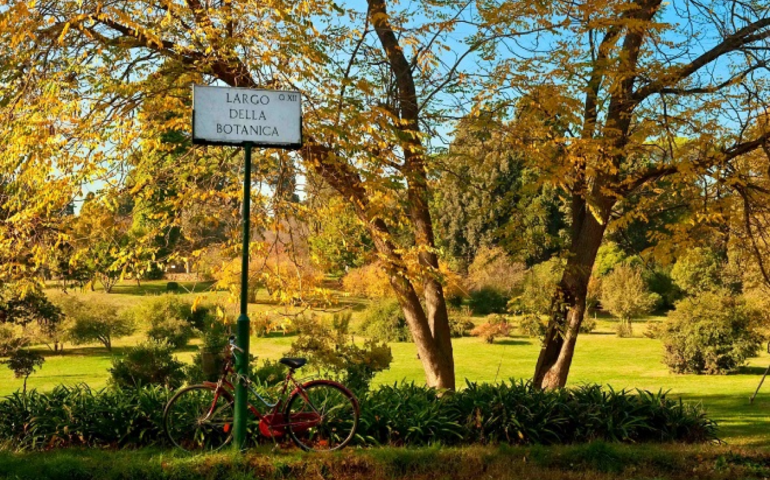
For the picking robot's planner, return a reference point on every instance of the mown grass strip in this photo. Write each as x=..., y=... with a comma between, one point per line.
x=597, y=460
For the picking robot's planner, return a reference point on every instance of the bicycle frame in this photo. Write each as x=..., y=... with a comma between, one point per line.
x=271, y=424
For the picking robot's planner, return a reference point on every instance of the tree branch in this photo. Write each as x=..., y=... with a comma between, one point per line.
x=731, y=43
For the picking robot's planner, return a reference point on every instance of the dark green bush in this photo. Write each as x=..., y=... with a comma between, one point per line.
x=699, y=270
x=588, y=324
x=384, y=321
x=213, y=352
x=455, y=301
x=269, y=373
x=659, y=281
x=531, y=326
x=95, y=321
x=407, y=414
x=713, y=332
x=23, y=363
x=400, y=414
x=78, y=415
x=11, y=339
x=171, y=319
x=460, y=327
x=149, y=363
x=331, y=350
x=172, y=287
x=487, y=300
x=518, y=413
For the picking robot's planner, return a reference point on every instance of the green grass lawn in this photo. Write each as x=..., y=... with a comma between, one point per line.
x=593, y=461
x=601, y=357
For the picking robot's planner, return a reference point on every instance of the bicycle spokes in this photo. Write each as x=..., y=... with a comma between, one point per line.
x=199, y=419
x=322, y=416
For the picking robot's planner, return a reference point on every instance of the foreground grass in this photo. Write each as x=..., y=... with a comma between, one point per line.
x=593, y=461
x=600, y=357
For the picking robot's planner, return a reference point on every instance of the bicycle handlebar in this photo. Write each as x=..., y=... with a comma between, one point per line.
x=233, y=347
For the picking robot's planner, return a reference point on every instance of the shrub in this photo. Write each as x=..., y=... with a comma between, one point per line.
x=593, y=295
x=207, y=364
x=588, y=324
x=176, y=332
x=40, y=318
x=286, y=275
x=493, y=268
x=385, y=321
x=531, y=326
x=538, y=288
x=23, y=364
x=609, y=256
x=652, y=330
x=171, y=319
x=407, y=414
x=518, y=413
x=625, y=295
x=399, y=414
x=95, y=322
x=269, y=373
x=77, y=415
x=172, y=287
x=460, y=327
x=698, y=270
x=713, y=333
x=11, y=339
x=149, y=363
x=495, y=326
x=331, y=348
x=369, y=281
x=487, y=300
x=659, y=281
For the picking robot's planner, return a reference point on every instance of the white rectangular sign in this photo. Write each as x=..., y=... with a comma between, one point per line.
x=234, y=116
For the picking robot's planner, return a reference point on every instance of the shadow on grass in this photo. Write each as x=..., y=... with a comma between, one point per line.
x=752, y=370
x=737, y=418
x=511, y=341
x=161, y=288
x=278, y=335
x=95, y=351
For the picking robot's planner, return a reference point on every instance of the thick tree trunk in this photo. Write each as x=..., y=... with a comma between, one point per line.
x=569, y=303
x=429, y=326
x=438, y=367
x=433, y=291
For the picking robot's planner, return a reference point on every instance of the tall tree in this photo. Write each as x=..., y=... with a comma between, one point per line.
x=372, y=82
x=486, y=195
x=654, y=97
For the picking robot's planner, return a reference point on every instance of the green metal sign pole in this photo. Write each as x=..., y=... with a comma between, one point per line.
x=242, y=365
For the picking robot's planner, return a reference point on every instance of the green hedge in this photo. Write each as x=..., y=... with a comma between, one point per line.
x=402, y=414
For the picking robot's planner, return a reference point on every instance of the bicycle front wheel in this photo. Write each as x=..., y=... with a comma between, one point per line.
x=198, y=418
x=322, y=416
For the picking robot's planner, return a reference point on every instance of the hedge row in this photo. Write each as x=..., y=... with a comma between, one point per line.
x=401, y=414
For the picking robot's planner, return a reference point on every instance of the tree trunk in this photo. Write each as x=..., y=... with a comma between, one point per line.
x=438, y=367
x=569, y=302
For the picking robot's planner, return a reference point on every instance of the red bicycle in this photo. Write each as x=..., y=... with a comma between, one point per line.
x=318, y=415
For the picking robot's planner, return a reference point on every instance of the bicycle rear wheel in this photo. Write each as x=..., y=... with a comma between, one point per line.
x=322, y=416
x=199, y=419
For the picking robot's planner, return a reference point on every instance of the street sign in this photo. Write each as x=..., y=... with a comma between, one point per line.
x=245, y=117
x=235, y=116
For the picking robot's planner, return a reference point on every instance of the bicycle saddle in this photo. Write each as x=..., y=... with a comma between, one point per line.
x=293, y=362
